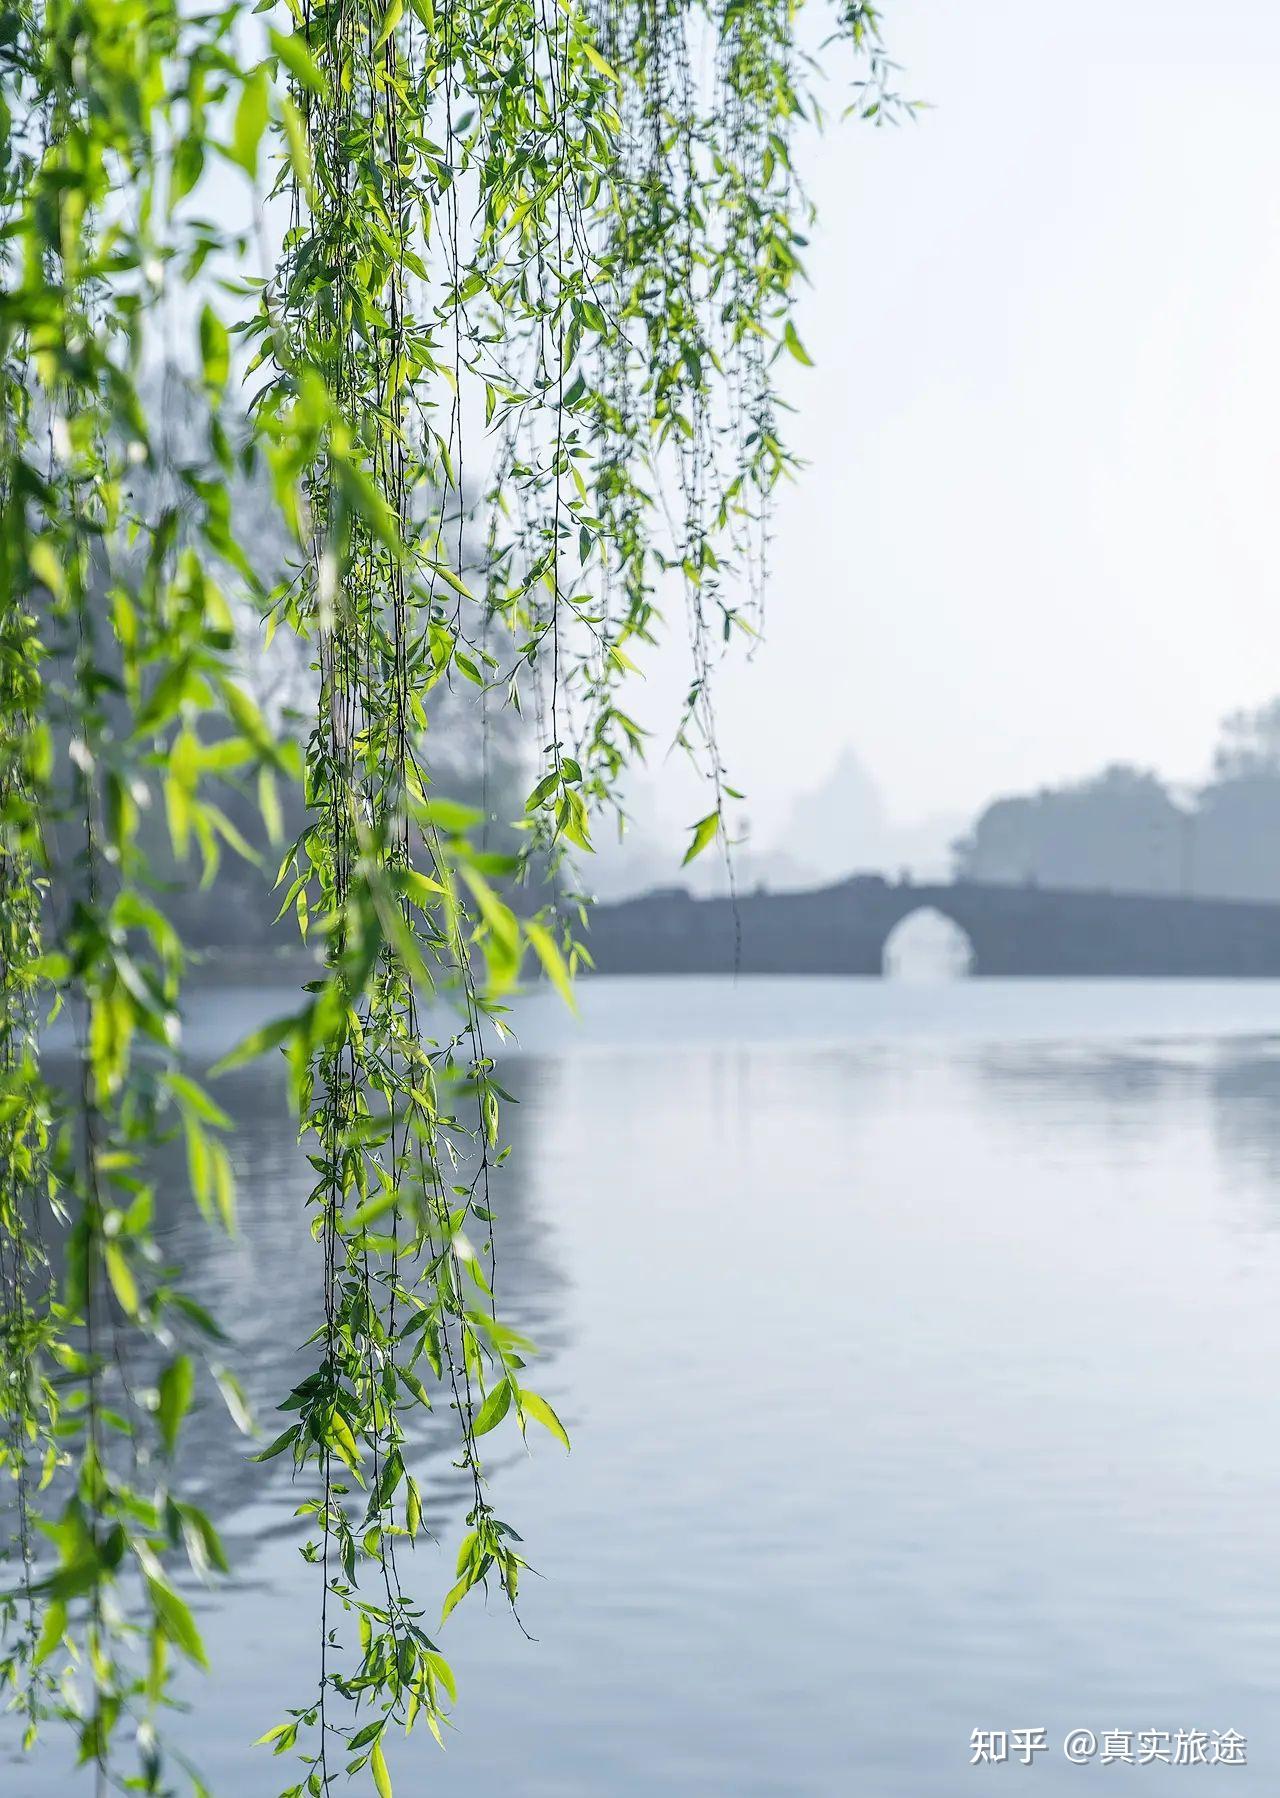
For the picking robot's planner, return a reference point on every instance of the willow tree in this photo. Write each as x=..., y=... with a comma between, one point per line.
x=541, y=249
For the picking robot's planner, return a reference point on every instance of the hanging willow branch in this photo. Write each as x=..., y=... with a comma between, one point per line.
x=534, y=250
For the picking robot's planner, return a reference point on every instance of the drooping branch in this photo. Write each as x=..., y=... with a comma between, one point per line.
x=535, y=249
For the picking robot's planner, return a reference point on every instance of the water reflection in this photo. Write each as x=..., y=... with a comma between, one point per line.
x=1245, y=1098
x=1124, y=1094
x=920, y=1361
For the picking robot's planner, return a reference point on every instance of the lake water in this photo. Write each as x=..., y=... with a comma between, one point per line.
x=921, y=1352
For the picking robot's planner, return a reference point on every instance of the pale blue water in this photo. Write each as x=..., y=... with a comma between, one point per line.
x=920, y=1350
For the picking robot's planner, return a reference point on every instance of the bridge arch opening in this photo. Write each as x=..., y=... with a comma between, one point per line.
x=926, y=947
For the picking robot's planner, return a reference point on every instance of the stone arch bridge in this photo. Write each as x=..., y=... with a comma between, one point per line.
x=1014, y=930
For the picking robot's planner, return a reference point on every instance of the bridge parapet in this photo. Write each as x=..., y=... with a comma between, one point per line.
x=1014, y=930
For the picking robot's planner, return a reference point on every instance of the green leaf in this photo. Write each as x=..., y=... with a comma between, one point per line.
x=447, y=575
x=198, y=1315
x=185, y=168
x=295, y=135
x=177, y=1384
x=538, y=1408
x=371, y=1210
x=250, y=123
x=198, y=1164
x=192, y=1097
x=224, y=1186
x=393, y=16
x=792, y=340
x=215, y=350
x=51, y=1631
x=279, y=1445
x=235, y=1399
x=42, y=559
x=179, y=1625
x=493, y=1410
x=549, y=784
x=340, y=1437
x=704, y=832
x=259, y=1041
x=444, y=1673
x=598, y=63
x=367, y=500
x=120, y=1274
x=454, y=1597
x=299, y=61
x=554, y=966
x=269, y=803
x=449, y=816
x=249, y=720
x=571, y=816
x=378, y=1767
x=204, y=1547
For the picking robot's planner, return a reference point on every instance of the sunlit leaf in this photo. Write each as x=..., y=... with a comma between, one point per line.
x=704, y=832
x=539, y=1409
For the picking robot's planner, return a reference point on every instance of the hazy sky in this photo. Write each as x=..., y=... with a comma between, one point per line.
x=1038, y=529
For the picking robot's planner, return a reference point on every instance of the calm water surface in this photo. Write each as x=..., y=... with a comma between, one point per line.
x=921, y=1352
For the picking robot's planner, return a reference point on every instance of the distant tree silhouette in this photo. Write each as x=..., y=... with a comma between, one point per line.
x=1124, y=831
x=1237, y=831
x=1249, y=743
x=1237, y=838
x=1120, y=830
